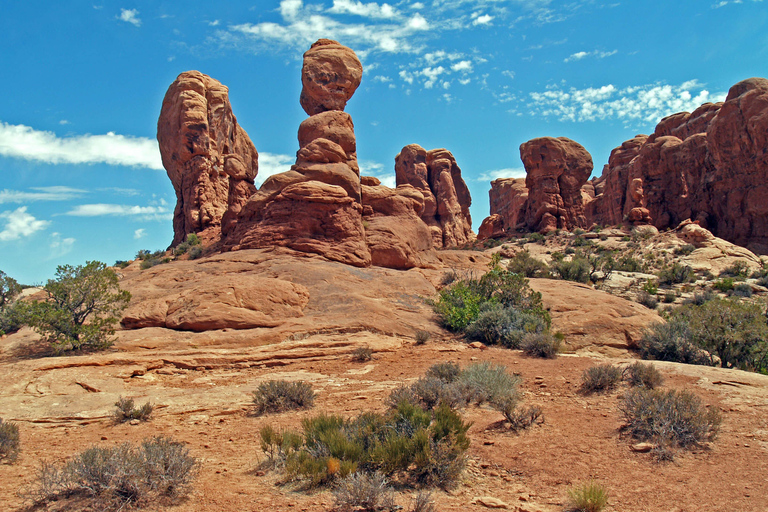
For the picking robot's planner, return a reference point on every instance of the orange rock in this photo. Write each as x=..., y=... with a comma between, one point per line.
x=330, y=76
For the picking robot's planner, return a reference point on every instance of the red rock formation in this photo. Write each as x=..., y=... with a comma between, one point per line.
x=209, y=158
x=508, y=198
x=330, y=75
x=556, y=170
x=446, y=197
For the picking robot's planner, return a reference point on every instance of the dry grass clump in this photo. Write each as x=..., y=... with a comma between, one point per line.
x=604, y=377
x=364, y=492
x=587, y=497
x=160, y=469
x=362, y=354
x=643, y=374
x=422, y=337
x=543, y=345
x=125, y=410
x=669, y=419
x=10, y=446
x=282, y=395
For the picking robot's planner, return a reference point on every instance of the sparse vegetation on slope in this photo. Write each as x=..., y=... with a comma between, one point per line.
x=10, y=446
x=280, y=395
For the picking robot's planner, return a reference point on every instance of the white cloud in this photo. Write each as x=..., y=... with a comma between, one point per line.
x=130, y=16
x=60, y=246
x=387, y=31
x=582, y=55
x=19, y=141
x=63, y=122
x=376, y=169
x=139, y=233
x=382, y=79
x=509, y=172
x=727, y=2
x=485, y=19
x=56, y=193
x=214, y=23
x=371, y=10
x=508, y=73
x=463, y=66
x=19, y=223
x=432, y=75
x=632, y=105
x=121, y=210
x=273, y=163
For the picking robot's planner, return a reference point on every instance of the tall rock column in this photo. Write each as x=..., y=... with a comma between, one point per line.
x=316, y=206
x=208, y=156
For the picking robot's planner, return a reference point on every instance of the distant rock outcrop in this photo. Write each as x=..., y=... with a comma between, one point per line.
x=509, y=199
x=556, y=168
x=446, y=197
x=209, y=158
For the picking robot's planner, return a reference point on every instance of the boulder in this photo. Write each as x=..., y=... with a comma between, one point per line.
x=208, y=156
x=556, y=170
x=329, y=77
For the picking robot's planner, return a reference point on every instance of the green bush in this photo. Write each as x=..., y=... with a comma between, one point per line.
x=576, y=269
x=113, y=478
x=741, y=290
x=684, y=250
x=643, y=374
x=536, y=238
x=647, y=300
x=83, y=307
x=669, y=419
x=604, y=377
x=10, y=445
x=409, y=443
x=525, y=264
x=500, y=325
x=724, y=285
x=458, y=306
x=543, y=344
x=672, y=341
x=125, y=410
x=12, y=313
x=628, y=263
x=700, y=298
x=739, y=270
x=676, y=274
x=281, y=395
x=587, y=497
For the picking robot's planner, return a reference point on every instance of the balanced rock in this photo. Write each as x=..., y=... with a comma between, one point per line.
x=556, y=168
x=446, y=197
x=208, y=156
x=330, y=75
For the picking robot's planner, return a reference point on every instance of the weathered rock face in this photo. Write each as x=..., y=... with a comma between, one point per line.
x=330, y=75
x=556, y=170
x=508, y=198
x=209, y=158
x=615, y=181
x=446, y=197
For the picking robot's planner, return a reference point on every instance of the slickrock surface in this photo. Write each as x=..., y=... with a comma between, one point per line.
x=208, y=156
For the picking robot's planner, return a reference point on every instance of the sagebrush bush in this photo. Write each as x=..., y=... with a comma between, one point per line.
x=724, y=285
x=281, y=395
x=643, y=374
x=739, y=270
x=422, y=337
x=489, y=382
x=676, y=273
x=672, y=341
x=544, y=345
x=669, y=419
x=741, y=290
x=525, y=264
x=604, y=377
x=576, y=269
x=647, y=300
x=447, y=371
x=519, y=418
x=587, y=497
x=362, y=354
x=119, y=476
x=10, y=444
x=499, y=325
x=684, y=250
x=125, y=410
x=364, y=492
x=628, y=263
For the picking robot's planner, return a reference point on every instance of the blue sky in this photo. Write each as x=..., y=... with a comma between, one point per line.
x=83, y=83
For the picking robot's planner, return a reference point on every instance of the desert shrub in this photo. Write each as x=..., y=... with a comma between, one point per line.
x=600, y=378
x=408, y=442
x=519, y=418
x=446, y=371
x=362, y=354
x=684, y=250
x=651, y=287
x=125, y=410
x=724, y=285
x=671, y=341
x=580, y=241
x=542, y=344
x=647, y=300
x=587, y=497
x=10, y=445
x=195, y=252
x=113, y=478
x=525, y=264
x=364, y=492
x=739, y=270
x=576, y=269
x=458, y=306
x=151, y=259
x=422, y=337
x=402, y=394
x=431, y=391
x=741, y=290
x=121, y=264
x=82, y=309
x=676, y=273
x=700, y=298
x=670, y=297
x=489, y=382
x=643, y=374
x=422, y=502
x=628, y=263
x=733, y=330
x=536, y=238
x=9, y=290
x=281, y=395
x=500, y=325
x=277, y=445
x=12, y=313
x=669, y=419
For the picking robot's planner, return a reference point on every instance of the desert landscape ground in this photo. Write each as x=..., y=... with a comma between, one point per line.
x=292, y=280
